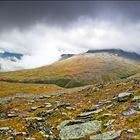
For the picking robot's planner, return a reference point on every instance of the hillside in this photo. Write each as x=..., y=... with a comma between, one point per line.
x=78, y=70
x=91, y=112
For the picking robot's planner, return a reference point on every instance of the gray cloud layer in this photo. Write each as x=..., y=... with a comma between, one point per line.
x=21, y=14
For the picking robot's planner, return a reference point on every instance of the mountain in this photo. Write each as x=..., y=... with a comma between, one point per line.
x=79, y=70
x=119, y=52
x=8, y=60
x=11, y=55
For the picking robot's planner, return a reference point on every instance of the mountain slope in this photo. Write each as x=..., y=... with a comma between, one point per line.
x=119, y=52
x=78, y=70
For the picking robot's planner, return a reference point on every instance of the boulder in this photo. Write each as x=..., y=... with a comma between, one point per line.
x=80, y=130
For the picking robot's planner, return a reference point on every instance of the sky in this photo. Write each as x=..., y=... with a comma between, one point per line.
x=42, y=31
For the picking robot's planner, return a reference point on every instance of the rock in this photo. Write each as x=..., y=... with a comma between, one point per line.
x=35, y=107
x=110, y=106
x=110, y=135
x=109, y=115
x=79, y=130
x=68, y=122
x=30, y=138
x=5, y=129
x=64, y=113
x=108, y=124
x=44, y=134
x=11, y=138
x=4, y=115
x=45, y=113
x=34, y=119
x=70, y=108
x=128, y=111
x=31, y=102
x=47, y=105
x=129, y=130
x=90, y=113
x=122, y=97
x=61, y=104
x=20, y=134
x=136, y=99
x=11, y=115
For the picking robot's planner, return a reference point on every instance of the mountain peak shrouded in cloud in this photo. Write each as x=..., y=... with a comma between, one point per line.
x=43, y=31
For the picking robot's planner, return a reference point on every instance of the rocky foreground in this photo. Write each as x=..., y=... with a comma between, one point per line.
x=96, y=112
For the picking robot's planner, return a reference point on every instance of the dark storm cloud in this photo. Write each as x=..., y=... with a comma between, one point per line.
x=21, y=14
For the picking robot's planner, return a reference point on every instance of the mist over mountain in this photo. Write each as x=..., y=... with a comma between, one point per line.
x=119, y=52
x=42, y=34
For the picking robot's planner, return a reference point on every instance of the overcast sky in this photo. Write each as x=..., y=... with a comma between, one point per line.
x=42, y=31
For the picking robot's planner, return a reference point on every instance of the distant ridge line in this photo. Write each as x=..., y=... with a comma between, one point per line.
x=119, y=52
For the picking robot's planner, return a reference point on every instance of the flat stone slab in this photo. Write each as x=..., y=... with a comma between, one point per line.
x=34, y=119
x=80, y=130
x=90, y=113
x=128, y=111
x=110, y=135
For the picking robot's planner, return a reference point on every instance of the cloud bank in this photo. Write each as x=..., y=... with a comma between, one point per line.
x=43, y=44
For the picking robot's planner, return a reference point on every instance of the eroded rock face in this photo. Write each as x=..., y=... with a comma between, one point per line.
x=79, y=130
x=124, y=96
x=110, y=135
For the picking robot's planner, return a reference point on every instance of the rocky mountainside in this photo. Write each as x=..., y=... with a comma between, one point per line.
x=90, y=96
x=94, y=112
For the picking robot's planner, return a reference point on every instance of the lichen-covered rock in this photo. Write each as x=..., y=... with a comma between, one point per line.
x=124, y=96
x=110, y=135
x=80, y=130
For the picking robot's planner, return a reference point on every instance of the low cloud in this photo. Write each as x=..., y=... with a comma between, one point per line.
x=43, y=44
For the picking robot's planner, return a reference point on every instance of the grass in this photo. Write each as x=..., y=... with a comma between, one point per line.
x=10, y=89
x=79, y=101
